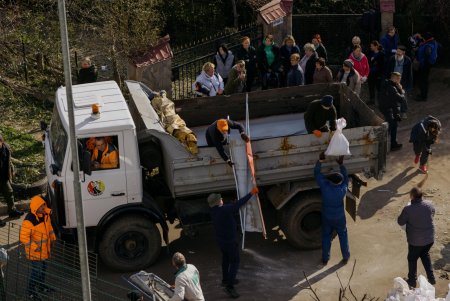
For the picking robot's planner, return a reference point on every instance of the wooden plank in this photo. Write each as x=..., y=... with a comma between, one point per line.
x=205, y=110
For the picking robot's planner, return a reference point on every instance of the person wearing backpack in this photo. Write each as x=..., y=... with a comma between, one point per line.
x=427, y=56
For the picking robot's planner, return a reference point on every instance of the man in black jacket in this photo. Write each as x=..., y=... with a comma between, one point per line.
x=418, y=218
x=6, y=174
x=391, y=98
x=217, y=133
x=317, y=114
x=423, y=135
x=402, y=64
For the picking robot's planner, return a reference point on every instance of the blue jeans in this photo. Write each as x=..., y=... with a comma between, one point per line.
x=37, y=276
x=340, y=226
x=230, y=262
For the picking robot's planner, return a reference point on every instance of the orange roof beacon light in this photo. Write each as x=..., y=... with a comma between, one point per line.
x=95, y=111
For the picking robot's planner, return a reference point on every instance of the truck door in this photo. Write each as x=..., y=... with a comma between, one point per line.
x=105, y=188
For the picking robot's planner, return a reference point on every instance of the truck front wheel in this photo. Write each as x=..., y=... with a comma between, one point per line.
x=301, y=221
x=131, y=243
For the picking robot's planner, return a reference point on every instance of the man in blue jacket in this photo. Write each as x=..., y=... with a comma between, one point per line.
x=225, y=226
x=333, y=189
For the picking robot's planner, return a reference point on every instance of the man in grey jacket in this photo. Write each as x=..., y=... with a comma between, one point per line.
x=418, y=218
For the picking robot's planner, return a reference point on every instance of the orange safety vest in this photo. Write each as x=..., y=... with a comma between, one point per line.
x=109, y=157
x=37, y=231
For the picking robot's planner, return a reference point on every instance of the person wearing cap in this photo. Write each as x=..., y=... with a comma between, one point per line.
x=6, y=175
x=402, y=64
x=37, y=237
x=391, y=99
x=187, y=280
x=217, y=134
x=350, y=77
x=318, y=113
x=333, y=189
x=222, y=216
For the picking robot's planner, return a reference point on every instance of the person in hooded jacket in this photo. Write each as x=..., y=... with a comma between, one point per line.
x=286, y=51
x=247, y=53
x=426, y=55
x=217, y=133
x=423, y=135
x=224, y=61
x=88, y=72
x=349, y=76
x=333, y=189
x=37, y=237
x=389, y=42
x=360, y=62
x=268, y=58
x=208, y=82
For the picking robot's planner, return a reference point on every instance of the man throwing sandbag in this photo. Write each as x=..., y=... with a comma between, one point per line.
x=423, y=135
x=318, y=113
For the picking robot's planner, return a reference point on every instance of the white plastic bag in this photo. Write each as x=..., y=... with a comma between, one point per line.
x=339, y=145
x=426, y=289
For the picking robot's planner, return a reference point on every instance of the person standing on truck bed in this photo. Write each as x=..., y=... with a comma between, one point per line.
x=105, y=155
x=317, y=114
x=225, y=226
x=187, y=281
x=333, y=189
x=6, y=174
x=217, y=134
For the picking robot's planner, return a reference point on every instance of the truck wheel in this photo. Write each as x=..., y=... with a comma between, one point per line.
x=301, y=221
x=130, y=244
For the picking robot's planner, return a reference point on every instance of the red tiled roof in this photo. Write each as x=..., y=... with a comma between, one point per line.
x=272, y=11
x=154, y=54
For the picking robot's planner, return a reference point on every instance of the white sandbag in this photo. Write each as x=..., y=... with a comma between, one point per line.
x=339, y=145
x=399, y=291
x=426, y=289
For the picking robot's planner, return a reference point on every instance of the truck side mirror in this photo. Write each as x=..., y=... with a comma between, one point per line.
x=86, y=163
x=43, y=125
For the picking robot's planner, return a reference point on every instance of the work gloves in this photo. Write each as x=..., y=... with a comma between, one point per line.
x=317, y=133
x=254, y=190
x=245, y=137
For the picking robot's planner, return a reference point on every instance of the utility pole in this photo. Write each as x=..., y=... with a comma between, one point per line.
x=81, y=230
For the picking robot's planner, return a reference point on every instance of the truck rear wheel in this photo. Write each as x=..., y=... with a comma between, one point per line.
x=301, y=221
x=130, y=244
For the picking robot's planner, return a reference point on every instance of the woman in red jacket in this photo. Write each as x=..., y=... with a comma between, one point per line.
x=360, y=62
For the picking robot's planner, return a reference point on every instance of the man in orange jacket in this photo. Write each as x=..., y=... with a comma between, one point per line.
x=105, y=155
x=37, y=236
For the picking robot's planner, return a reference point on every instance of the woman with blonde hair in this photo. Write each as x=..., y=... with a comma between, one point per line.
x=289, y=48
x=308, y=62
x=208, y=83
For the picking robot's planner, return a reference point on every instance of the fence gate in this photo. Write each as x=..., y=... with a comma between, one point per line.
x=188, y=60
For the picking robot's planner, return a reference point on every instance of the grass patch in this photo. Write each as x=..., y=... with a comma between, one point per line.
x=19, y=126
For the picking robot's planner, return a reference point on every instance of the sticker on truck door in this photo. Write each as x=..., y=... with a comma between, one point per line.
x=96, y=188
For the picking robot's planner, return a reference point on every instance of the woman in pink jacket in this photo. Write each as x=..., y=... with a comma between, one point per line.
x=360, y=62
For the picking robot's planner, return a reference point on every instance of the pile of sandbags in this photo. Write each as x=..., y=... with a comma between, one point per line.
x=425, y=292
x=173, y=123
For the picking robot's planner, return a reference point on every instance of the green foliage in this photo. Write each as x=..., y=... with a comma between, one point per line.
x=333, y=6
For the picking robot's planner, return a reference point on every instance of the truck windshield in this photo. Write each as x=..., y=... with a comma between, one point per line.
x=58, y=138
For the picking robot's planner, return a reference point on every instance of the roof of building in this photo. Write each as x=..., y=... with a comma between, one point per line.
x=114, y=115
x=153, y=54
x=275, y=10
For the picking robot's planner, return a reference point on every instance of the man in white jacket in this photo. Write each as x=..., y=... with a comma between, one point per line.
x=187, y=281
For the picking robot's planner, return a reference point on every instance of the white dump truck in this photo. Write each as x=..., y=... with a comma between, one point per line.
x=157, y=180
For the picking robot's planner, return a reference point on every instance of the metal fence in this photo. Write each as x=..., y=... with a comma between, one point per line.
x=188, y=60
x=62, y=275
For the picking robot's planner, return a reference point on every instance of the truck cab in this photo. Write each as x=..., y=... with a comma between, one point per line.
x=109, y=191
